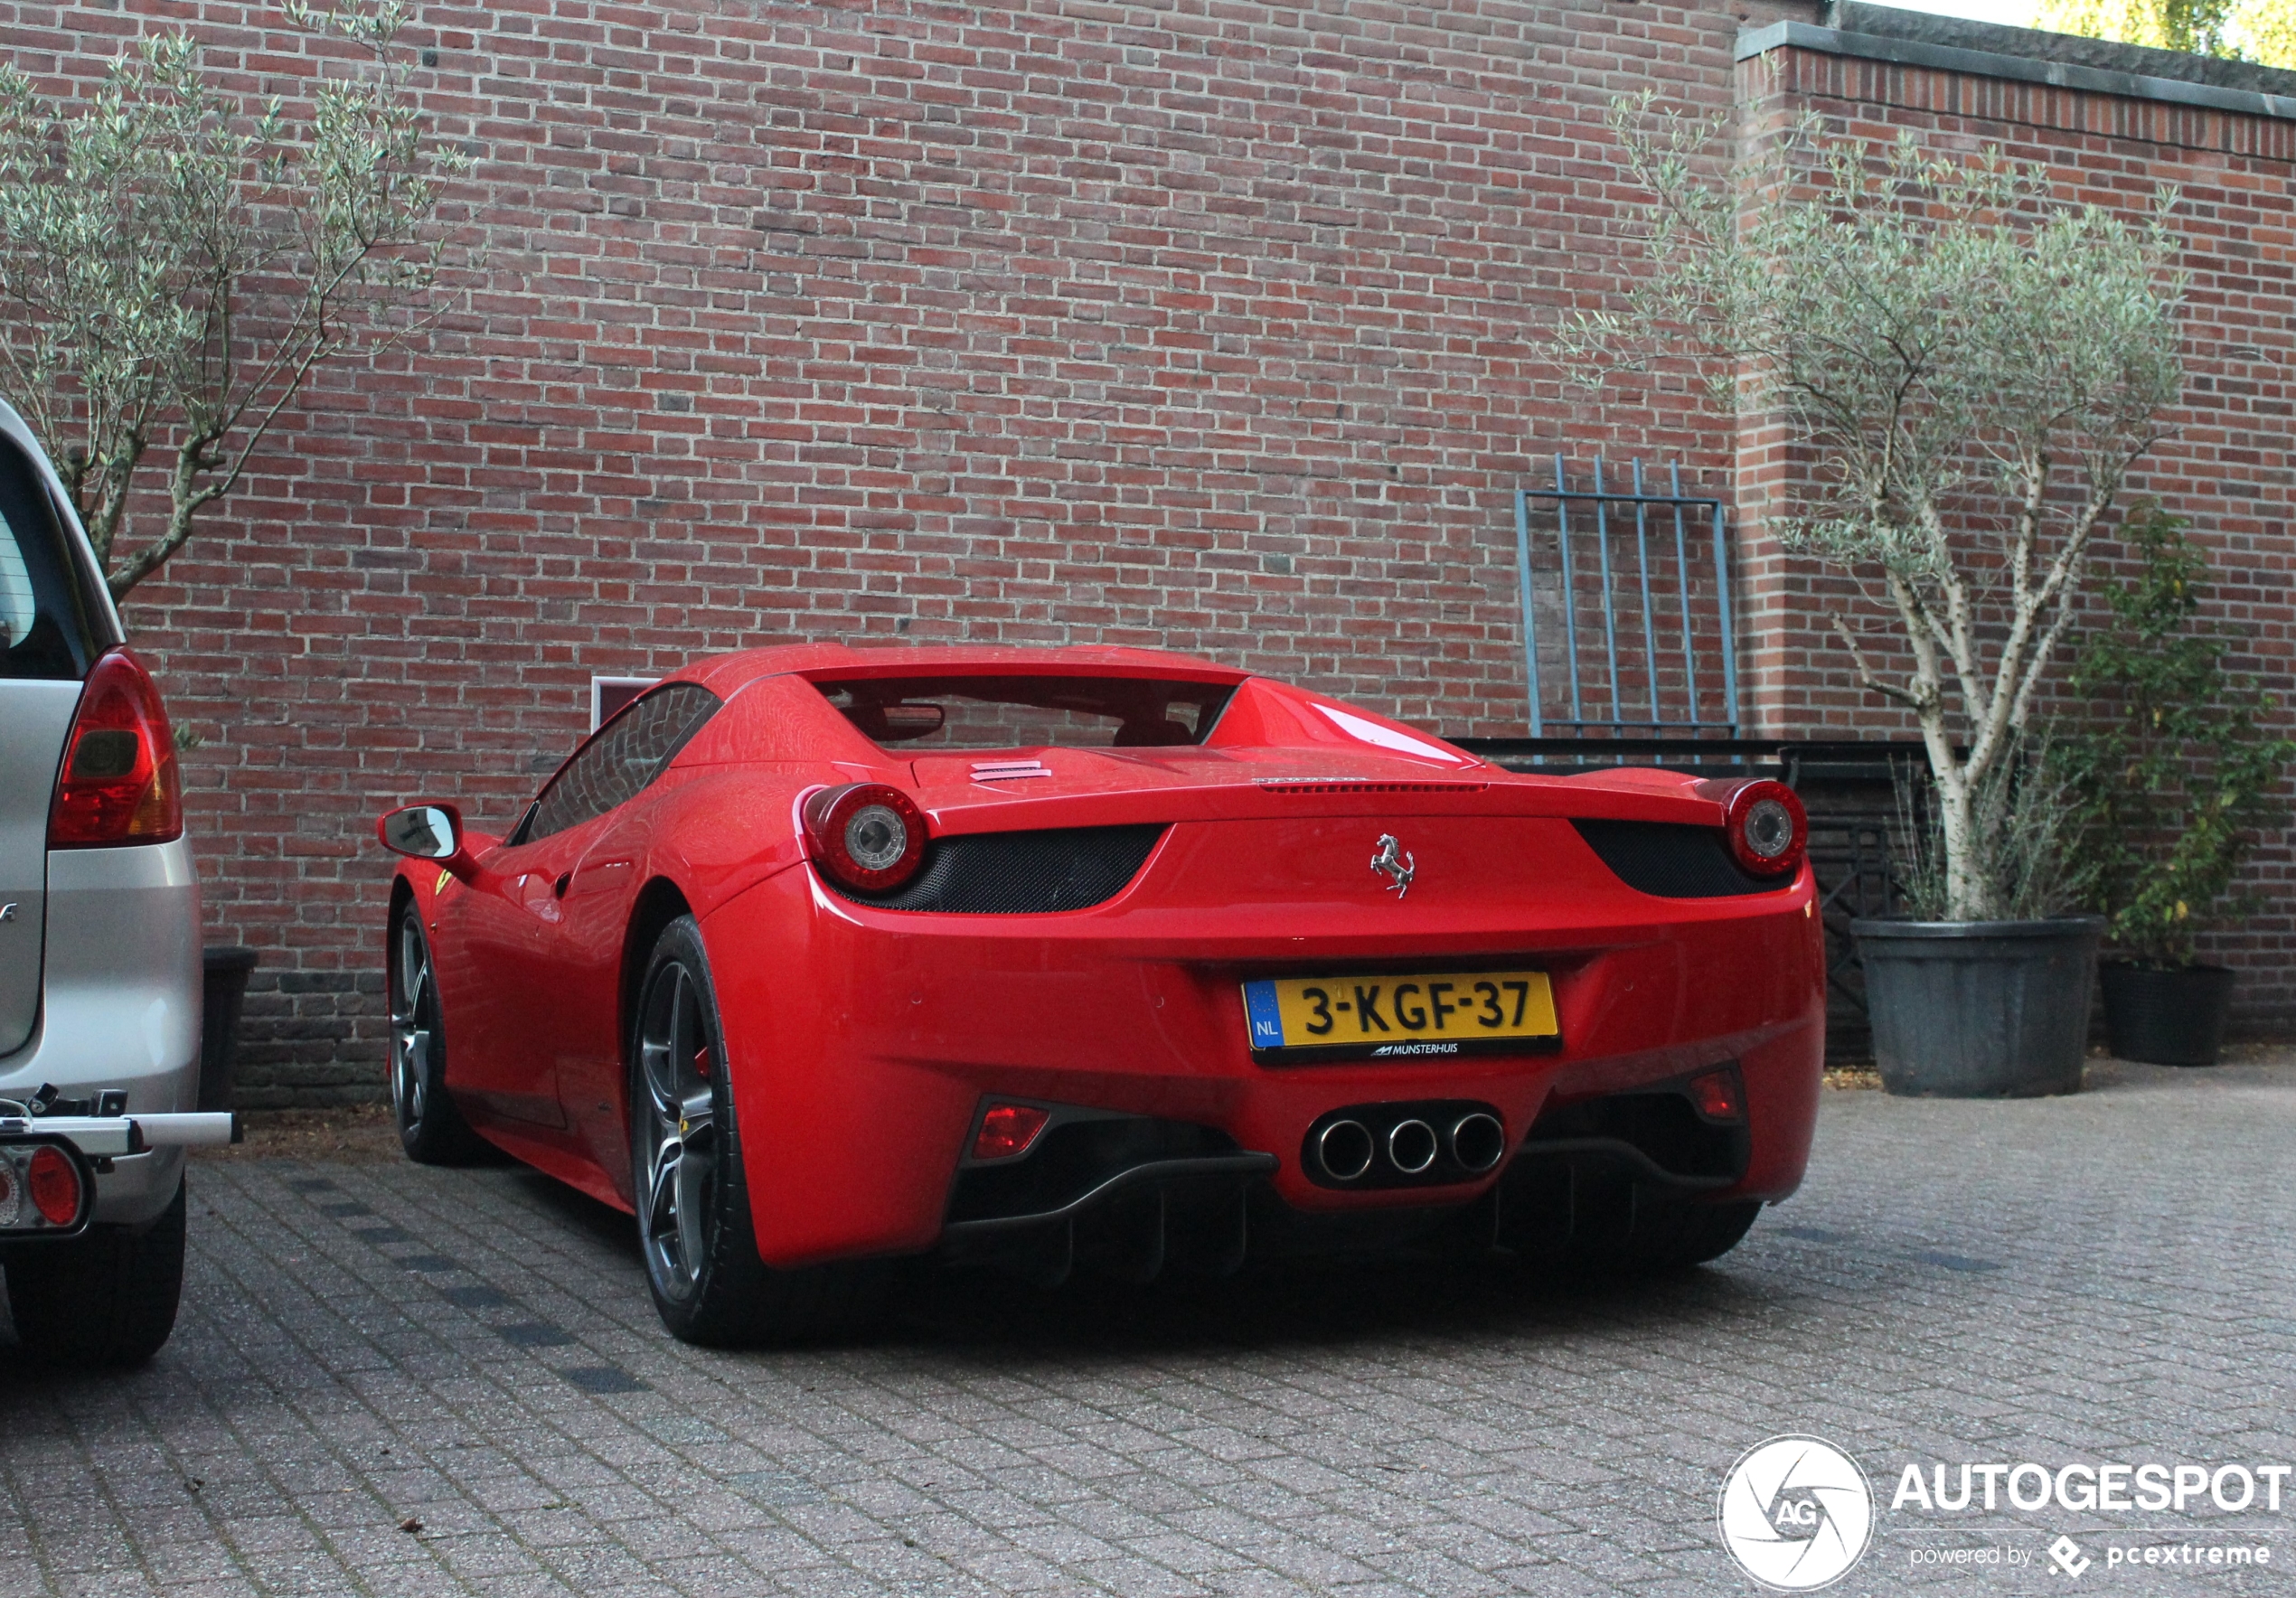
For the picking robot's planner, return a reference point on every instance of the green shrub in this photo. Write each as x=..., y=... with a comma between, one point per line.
x=2171, y=768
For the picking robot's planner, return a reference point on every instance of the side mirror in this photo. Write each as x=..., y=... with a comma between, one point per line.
x=425, y=833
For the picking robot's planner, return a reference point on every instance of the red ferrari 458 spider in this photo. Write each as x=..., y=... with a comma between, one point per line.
x=816, y=958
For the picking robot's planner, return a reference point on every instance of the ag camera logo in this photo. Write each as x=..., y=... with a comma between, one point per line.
x=1796, y=1513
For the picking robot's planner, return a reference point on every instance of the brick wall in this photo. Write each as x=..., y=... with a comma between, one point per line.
x=1217, y=327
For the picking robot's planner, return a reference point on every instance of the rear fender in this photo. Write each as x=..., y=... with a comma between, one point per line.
x=839, y=1161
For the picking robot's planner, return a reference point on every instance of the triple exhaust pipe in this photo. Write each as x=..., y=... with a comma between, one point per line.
x=1381, y=1145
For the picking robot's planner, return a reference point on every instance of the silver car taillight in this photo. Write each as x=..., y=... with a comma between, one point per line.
x=119, y=782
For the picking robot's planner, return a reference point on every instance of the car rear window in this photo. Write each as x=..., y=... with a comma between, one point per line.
x=990, y=712
x=50, y=623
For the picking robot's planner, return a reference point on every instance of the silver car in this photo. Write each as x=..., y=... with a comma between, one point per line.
x=99, y=950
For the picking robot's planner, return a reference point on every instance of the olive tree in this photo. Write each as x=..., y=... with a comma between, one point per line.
x=1970, y=368
x=175, y=259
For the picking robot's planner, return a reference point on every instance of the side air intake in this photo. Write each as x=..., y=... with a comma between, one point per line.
x=1019, y=873
x=1673, y=861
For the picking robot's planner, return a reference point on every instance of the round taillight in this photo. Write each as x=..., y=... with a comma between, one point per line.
x=1767, y=829
x=867, y=836
x=11, y=1193
x=53, y=1181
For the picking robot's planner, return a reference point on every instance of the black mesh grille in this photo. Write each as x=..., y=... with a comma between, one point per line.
x=1021, y=873
x=1674, y=862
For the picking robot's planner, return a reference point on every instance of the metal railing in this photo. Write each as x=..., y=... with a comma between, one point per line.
x=1669, y=658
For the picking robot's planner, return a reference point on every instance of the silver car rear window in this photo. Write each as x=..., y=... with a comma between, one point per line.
x=17, y=606
x=50, y=623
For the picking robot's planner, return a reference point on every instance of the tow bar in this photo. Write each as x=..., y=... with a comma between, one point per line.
x=48, y=1163
x=104, y=1137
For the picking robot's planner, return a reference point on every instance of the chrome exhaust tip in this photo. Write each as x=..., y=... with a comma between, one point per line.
x=1344, y=1149
x=1411, y=1146
x=1478, y=1141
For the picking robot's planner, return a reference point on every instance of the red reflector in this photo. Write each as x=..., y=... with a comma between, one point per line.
x=53, y=1181
x=1718, y=1095
x=1008, y=1130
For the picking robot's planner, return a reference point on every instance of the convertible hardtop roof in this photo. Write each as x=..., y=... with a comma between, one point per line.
x=722, y=674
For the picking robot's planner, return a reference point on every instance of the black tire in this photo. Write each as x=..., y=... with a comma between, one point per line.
x=104, y=1301
x=431, y=1129
x=691, y=1193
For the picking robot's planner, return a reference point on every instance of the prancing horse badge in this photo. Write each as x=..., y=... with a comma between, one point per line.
x=1397, y=862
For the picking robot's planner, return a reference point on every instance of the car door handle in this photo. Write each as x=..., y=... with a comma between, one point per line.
x=558, y=888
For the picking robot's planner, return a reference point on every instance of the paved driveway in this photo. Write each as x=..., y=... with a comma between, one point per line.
x=2109, y=1277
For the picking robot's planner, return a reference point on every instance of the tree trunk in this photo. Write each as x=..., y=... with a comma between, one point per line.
x=1968, y=896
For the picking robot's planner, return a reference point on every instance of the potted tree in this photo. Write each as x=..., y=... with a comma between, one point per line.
x=1995, y=1008
x=2172, y=775
x=1966, y=368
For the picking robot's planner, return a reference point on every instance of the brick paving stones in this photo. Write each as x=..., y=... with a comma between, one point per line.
x=471, y=1356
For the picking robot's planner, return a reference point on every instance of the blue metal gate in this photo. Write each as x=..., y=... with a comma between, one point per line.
x=1675, y=598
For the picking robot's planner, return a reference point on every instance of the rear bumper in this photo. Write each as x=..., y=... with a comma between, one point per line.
x=119, y=1007
x=127, y=1162
x=1133, y=1196
x=862, y=1043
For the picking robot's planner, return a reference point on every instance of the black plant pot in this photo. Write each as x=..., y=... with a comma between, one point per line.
x=2166, y=1018
x=225, y=969
x=1979, y=1008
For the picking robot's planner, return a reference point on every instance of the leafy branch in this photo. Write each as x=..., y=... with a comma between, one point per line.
x=174, y=262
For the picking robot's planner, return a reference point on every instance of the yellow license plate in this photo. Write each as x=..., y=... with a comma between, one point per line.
x=1382, y=1016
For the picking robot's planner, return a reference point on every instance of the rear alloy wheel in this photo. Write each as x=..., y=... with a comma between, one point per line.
x=430, y=1128
x=693, y=1197
x=103, y=1300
